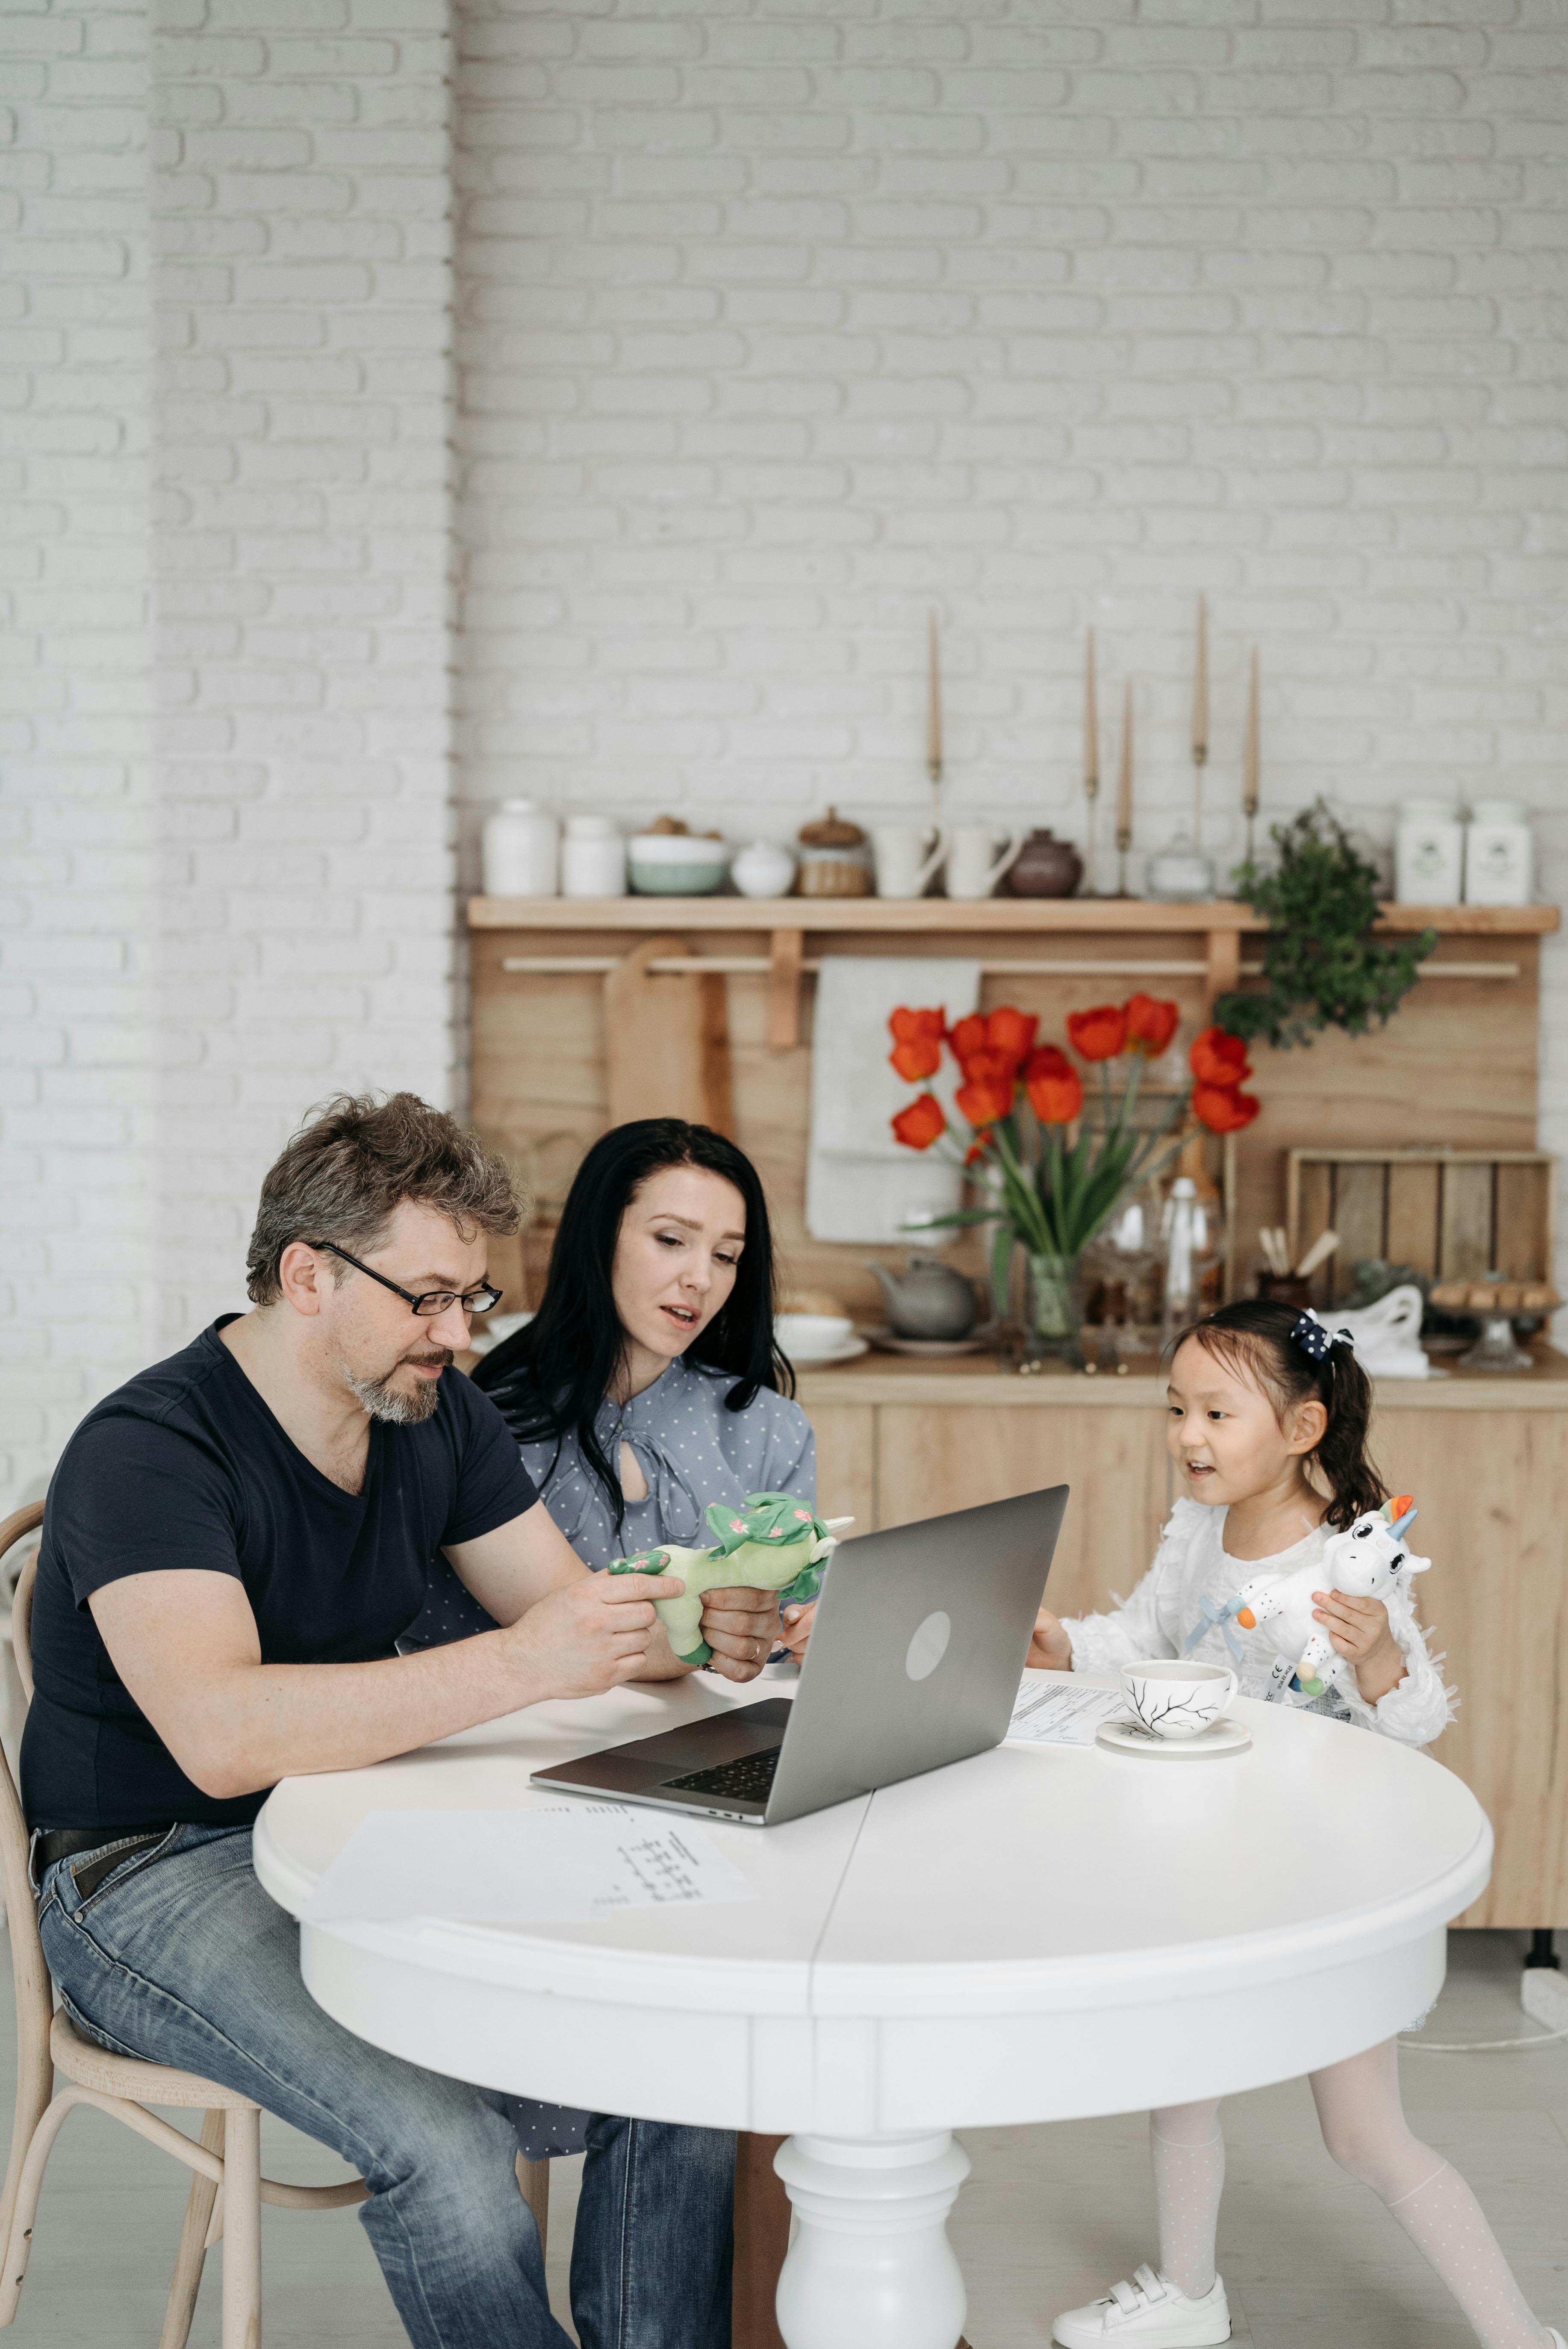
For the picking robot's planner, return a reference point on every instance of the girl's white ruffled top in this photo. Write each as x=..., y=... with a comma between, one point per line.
x=1192, y=1563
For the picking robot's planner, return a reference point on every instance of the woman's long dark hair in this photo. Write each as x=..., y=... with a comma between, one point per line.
x=551, y=1379
x=1254, y=1335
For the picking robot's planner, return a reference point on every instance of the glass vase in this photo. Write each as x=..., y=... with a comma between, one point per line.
x=1053, y=1310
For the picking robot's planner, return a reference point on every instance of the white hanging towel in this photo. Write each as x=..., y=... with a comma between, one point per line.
x=861, y=1185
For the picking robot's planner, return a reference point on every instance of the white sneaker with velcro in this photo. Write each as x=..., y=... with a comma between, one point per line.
x=1149, y=2312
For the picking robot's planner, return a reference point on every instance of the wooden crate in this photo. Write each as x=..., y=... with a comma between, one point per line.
x=1454, y=1214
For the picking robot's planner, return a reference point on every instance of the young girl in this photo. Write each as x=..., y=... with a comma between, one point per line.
x=1256, y=1402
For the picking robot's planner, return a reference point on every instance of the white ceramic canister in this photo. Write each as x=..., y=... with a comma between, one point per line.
x=521, y=850
x=593, y=858
x=763, y=869
x=1500, y=855
x=1429, y=854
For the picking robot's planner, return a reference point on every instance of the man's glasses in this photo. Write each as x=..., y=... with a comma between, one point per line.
x=433, y=1302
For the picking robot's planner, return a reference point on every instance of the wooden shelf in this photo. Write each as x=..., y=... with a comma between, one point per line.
x=972, y=917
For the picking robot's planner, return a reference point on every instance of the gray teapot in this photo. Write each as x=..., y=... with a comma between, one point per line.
x=929, y=1300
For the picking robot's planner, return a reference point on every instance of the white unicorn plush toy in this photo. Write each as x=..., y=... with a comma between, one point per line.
x=1368, y=1560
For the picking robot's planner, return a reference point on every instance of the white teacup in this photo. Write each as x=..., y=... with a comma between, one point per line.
x=907, y=854
x=1177, y=1700
x=977, y=857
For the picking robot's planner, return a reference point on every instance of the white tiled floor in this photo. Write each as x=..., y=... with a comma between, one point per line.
x=1050, y=2215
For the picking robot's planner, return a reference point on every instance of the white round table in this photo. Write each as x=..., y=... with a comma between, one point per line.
x=1032, y=1935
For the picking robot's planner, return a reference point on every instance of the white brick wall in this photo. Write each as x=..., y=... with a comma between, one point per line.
x=224, y=715
x=776, y=327
x=302, y=299
x=78, y=1031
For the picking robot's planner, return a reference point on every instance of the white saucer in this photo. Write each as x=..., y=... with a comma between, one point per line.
x=848, y=1350
x=1222, y=1736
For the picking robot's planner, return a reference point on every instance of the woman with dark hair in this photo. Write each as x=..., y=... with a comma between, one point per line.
x=647, y=1385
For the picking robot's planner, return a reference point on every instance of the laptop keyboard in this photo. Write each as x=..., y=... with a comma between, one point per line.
x=750, y=1777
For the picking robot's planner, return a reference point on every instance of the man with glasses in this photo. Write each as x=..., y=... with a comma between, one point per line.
x=235, y=1544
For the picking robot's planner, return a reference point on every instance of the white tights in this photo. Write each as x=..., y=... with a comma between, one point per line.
x=1364, y=2128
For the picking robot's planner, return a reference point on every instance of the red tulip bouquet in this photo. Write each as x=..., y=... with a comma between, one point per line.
x=1050, y=1177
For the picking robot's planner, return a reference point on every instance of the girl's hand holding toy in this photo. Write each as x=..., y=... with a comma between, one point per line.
x=795, y=1629
x=1358, y=1629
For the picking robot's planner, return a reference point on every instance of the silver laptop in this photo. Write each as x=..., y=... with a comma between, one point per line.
x=914, y=1660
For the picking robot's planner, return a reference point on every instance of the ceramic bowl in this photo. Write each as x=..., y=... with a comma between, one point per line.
x=811, y=1333
x=676, y=864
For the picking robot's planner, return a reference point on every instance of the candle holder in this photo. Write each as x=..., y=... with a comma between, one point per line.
x=1124, y=793
x=933, y=734
x=1251, y=753
x=1199, y=760
x=1090, y=769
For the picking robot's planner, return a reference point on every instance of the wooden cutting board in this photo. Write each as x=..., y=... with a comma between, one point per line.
x=667, y=1040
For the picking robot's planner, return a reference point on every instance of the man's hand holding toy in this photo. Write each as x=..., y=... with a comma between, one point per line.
x=771, y=1552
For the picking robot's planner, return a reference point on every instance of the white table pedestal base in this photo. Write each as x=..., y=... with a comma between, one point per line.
x=871, y=2267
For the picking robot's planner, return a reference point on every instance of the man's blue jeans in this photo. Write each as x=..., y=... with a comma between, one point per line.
x=179, y=1955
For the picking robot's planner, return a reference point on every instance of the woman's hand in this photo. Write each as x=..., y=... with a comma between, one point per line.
x=795, y=1628
x=741, y=1627
x=1358, y=1630
x=1050, y=1650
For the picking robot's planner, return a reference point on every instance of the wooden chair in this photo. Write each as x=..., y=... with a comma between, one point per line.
x=228, y=2190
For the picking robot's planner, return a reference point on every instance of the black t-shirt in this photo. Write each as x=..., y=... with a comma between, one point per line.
x=186, y=1467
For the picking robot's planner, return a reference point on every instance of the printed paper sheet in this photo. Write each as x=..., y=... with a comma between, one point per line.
x=554, y=1864
x=1049, y=1711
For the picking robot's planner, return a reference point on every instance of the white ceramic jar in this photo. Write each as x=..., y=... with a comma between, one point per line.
x=763, y=869
x=521, y=850
x=593, y=858
x=1429, y=854
x=1500, y=855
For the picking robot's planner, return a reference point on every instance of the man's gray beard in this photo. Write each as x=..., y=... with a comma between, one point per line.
x=379, y=1400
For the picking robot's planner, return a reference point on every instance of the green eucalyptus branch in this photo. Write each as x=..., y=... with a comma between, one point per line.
x=1322, y=967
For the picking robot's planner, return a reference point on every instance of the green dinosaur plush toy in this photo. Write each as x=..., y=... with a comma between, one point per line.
x=772, y=1542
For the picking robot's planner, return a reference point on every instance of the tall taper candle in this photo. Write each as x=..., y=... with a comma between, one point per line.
x=1250, y=748
x=1091, y=772
x=934, y=708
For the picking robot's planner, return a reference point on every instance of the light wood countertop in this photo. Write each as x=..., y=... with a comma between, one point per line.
x=990, y=1380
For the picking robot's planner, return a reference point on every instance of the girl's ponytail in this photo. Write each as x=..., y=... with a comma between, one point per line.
x=1341, y=1457
x=1257, y=1336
